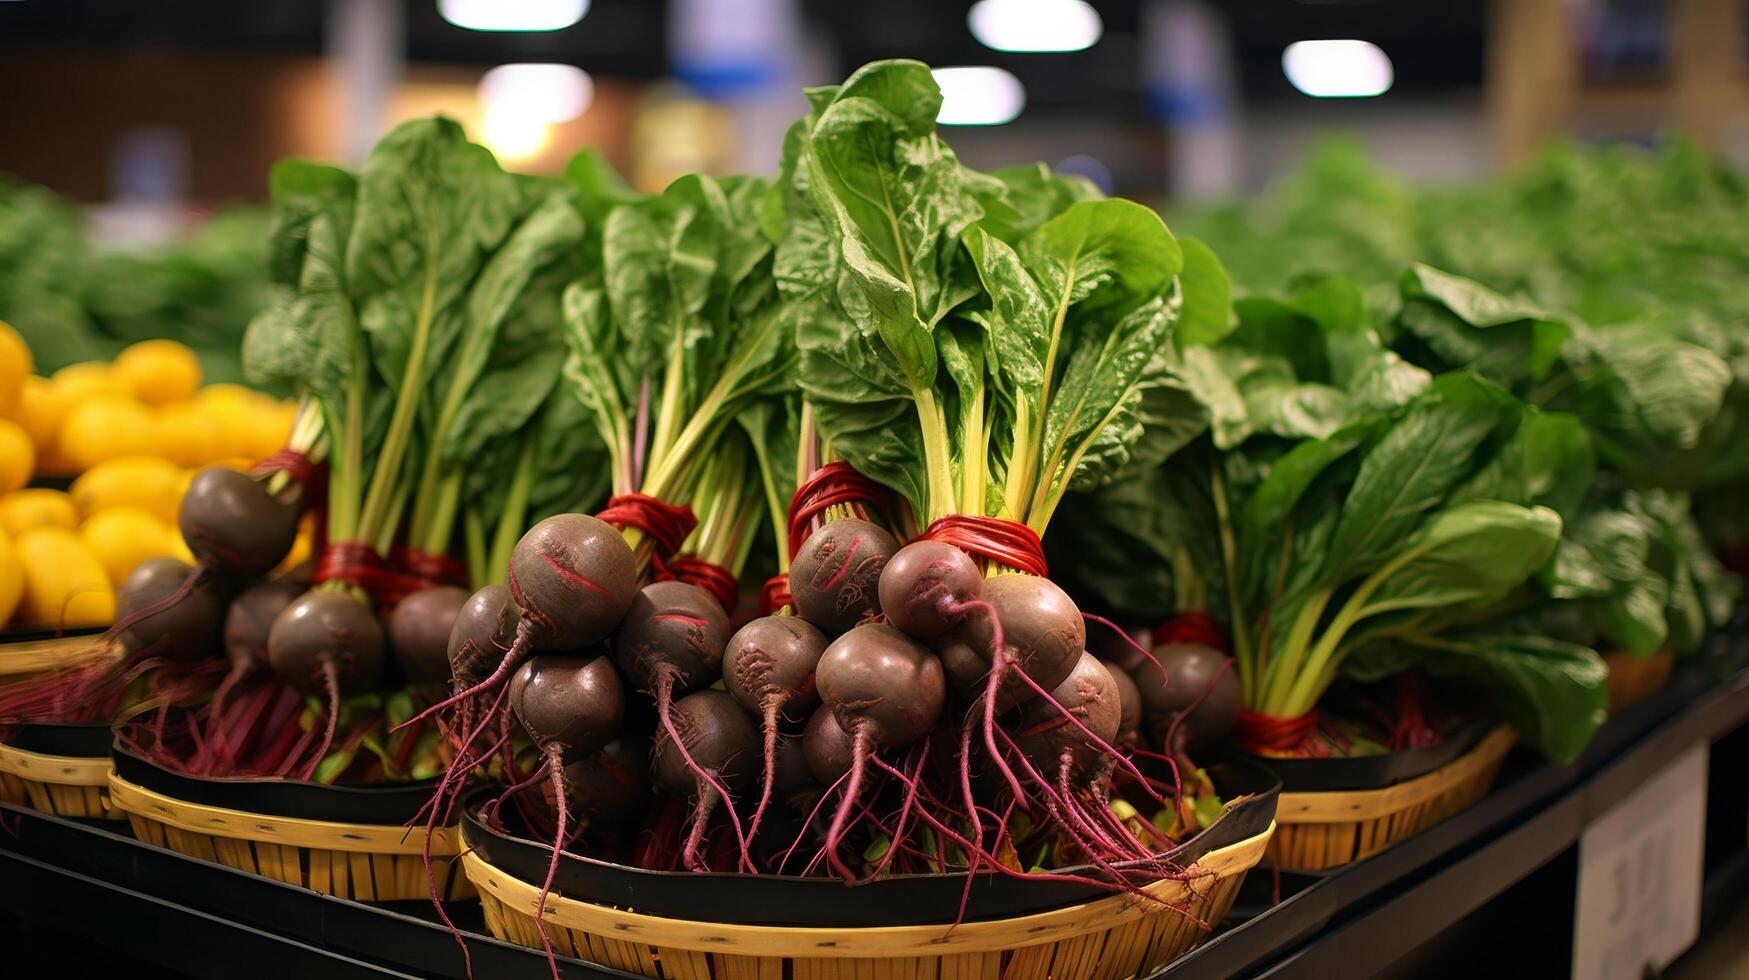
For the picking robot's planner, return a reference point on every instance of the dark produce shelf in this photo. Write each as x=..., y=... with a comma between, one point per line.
x=170, y=915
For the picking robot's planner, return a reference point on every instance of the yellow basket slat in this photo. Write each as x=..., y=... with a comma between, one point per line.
x=1114, y=937
x=1323, y=830
x=367, y=862
x=66, y=786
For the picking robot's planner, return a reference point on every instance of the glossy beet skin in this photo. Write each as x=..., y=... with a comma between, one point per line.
x=249, y=619
x=718, y=735
x=1196, y=675
x=485, y=626
x=882, y=684
x=571, y=703
x=1041, y=628
x=187, y=629
x=573, y=578
x=769, y=665
x=1129, y=697
x=322, y=627
x=925, y=587
x=674, y=627
x=419, y=628
x=229, y=519
x=835, y=578
x=1047, y=736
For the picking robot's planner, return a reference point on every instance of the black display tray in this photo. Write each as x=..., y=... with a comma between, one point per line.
x=32, y=634
x=1373, y=771
x=379, y=805
x=896, y=900
x=77, y=741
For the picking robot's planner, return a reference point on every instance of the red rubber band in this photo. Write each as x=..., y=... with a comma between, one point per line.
x=1192, y=626
x=831, y=485
x=357, y=563
x=430, y=569
x=666, y=524
x=1009, y=543
x=774, y=595
x=1261, y=734
x=711, y=577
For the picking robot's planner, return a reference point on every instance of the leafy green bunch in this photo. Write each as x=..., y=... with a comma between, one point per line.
x=980, y=343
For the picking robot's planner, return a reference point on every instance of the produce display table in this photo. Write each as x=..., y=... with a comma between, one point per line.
x=151, y=906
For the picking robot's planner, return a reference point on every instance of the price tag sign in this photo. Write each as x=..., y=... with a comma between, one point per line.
x=1640, y=874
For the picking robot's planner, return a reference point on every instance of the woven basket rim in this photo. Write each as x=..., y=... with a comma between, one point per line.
x=1347, y=806
x=940, y=939
x=61, y=770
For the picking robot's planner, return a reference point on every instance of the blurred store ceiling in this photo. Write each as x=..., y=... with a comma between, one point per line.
x=1435, y=46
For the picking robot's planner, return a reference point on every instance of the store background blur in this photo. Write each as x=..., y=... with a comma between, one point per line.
x=189, y=102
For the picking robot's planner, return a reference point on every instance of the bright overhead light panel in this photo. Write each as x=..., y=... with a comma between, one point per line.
x=1035, y=25
x=1338, y=68
x=548, y=93
x=978, y=96
x=513, y=15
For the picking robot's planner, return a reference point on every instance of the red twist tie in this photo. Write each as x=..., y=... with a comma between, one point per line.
x=356, y=563
x=1261, y=734
x=831, y=485
x=1009, y=543
x=666, y=524
x=1191, y=626
x=774, y=595
x=307, y=473
x=428, y=568
x=711, y=577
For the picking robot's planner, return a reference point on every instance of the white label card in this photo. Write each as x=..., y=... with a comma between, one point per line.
x=1640, y=874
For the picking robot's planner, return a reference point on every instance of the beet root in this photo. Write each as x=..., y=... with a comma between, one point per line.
x=1048, y=736
x=827, y=747
x=835, y=578
x=230, y=519
x=768, y=668
x=572, y=703
x=674, y=629
x=612, y=785
x=485, y=626
x=1129, y=698
x=419, y=628
x=573, y=578
x=1042, y=633
x=925, y=588
x=171, y=608
x=249, y=619
x=326, y=642
x=707, y=744
x=1195, y=702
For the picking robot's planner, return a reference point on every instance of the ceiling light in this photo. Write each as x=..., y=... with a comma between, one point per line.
x=978, y=96
x=513, y=136
x=1035, y=25
x=547, y=93
x=513, y=15
x=1338, y=69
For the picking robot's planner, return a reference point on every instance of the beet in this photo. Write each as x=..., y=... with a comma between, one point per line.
x=231, y=520
x=573, y=578
x=571, y=705
x=826, y=747
x=925, y=588
x=1129, y=697
x=673, y=629
x=1041, y=629
x=791, y=776
x=1197, y=700
x=485, y=626
x=419, y=628
x=768, y=668
x=249, y=619
x=707, y=746
x=612, y=786
x=835, y=578
x=187, y=622
x=326, y=642
x=887, y=691
x=1054, y=743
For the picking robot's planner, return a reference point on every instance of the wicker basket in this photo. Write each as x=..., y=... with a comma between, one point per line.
x=64, y=785
x=1633, y=678
x=1325, y=830
x=366, y=862
x=1113, y=937
x=39, y=653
